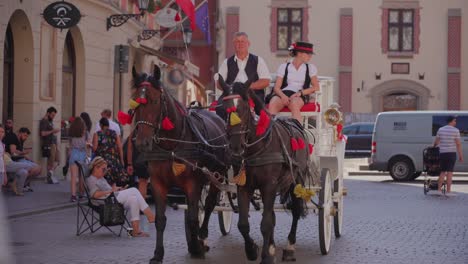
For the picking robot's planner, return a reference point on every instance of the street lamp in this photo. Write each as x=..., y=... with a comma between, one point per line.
x=187, y=35
x=120, y=19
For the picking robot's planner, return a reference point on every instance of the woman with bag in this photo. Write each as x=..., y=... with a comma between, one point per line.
x=130, y=198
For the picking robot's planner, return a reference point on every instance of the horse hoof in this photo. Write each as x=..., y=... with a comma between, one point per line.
x=288, y=255
x=198, y=250
x=251, y=252
x=268, y=260
x=153, y=261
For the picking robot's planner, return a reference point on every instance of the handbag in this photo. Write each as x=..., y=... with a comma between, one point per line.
x=111, y=213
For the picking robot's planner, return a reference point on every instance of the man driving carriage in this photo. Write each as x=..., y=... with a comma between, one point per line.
x=242, y=65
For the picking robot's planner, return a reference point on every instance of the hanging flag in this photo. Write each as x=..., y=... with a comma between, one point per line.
x=203, y=21
x=189, y=9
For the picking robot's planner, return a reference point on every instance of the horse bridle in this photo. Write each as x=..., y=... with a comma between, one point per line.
x=156, y=127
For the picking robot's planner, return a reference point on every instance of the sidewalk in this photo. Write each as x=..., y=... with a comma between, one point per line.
x=360, y=167
x=45, y=198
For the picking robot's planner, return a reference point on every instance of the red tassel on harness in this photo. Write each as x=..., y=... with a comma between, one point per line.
x=231, y=109
x=311, y=149
x=124, y=118
x=294, y=144
x=263, y=123
x=141, y=100
x=300, y=143
x=167, y=124
x=251, y=103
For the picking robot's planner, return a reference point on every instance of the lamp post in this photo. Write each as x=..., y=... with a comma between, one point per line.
x=120, y=19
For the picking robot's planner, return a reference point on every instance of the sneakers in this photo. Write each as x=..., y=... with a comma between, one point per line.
x=73, y=199
x=439, y=193
x=450, y=194
x=27, y=188
x=51, y=178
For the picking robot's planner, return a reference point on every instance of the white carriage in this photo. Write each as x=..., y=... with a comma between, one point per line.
x=321, y=120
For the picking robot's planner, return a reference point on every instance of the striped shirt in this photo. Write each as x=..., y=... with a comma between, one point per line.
x=447, y=135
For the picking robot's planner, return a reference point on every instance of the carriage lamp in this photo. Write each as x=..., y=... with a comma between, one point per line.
x=120, y=19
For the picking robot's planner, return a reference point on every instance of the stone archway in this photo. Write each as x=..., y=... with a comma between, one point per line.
x=79, y=68
x=22, y=75
x=409, y=93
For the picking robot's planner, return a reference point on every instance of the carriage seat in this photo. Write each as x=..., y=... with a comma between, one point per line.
x=309, y=107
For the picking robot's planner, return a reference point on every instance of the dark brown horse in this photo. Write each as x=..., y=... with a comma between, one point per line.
x=270, y=163
x=168, y=135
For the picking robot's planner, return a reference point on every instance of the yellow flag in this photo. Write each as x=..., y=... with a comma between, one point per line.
x=133, y=104
x=234, y=119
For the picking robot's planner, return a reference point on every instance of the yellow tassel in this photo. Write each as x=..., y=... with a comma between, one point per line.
x=240, y=179
x=178, y=168
x=133, y=104
x=303, y=193
x=234, y=119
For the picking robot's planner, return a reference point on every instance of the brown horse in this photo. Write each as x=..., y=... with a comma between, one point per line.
x=270, y=163
x=168, y=136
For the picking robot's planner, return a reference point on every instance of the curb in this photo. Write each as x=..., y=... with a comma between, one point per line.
x=41, y=211
x=386, y=173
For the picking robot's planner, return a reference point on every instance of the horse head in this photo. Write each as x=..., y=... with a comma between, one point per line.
x=148, y=94
x=240, y=116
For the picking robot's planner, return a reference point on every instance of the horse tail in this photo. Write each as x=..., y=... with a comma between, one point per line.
x=291, y=202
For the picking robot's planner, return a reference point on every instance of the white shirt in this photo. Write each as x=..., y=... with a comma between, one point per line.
x=447, y=135
x=296, y=78
x=112, y=125
x=262, y=69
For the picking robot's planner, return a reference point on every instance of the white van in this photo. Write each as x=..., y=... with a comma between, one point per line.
x=399, y=139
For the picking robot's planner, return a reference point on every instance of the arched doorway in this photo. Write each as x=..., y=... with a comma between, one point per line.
x=398, y=95
x=68, y=78
x=8, y=75
x=18, y=86
x=400, y=102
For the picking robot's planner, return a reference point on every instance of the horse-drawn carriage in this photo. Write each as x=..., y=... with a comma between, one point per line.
x=303, y=163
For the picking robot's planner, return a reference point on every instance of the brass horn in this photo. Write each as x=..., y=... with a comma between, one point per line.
x=333, y=116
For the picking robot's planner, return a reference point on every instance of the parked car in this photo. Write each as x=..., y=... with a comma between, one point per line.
x=359, y=142
x=400, y=138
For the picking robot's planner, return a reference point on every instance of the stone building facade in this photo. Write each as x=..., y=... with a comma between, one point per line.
x=384, y=54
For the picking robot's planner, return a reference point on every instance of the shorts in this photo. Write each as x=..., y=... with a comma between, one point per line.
x=54, y=156
x=77, y=155
x=289, y=93
x=447, y=161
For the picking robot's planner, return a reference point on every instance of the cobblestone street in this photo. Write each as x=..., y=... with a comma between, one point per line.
x=385, y=222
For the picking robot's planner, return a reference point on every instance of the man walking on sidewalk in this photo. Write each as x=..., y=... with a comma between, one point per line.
x=49, y=143
x=448, y=140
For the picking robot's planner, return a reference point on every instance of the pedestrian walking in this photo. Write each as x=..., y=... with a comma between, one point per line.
x=78, y=145
x=448, y=141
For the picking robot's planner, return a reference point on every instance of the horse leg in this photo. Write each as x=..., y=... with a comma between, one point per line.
x=160, y=193
x=267, y=224
x=296, y=209
x=195, y=246
x=243, y=196
x=210, y=204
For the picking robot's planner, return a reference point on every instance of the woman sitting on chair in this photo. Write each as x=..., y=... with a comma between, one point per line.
x=130, y=198
x=296, y=79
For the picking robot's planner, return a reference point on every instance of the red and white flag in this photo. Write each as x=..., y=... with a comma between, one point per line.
x=189, y=9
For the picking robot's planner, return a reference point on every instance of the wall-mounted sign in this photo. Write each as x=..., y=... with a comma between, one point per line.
x=400, y=68
x=166, y=17
x=62, y=15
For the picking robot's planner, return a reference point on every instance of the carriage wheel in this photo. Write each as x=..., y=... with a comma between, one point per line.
x=326, y=203
x=338, y=203
x=224, y=217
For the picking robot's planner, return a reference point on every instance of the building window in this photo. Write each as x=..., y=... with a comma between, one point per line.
x=68, y=85
x=400, y=30
x=289, y=26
